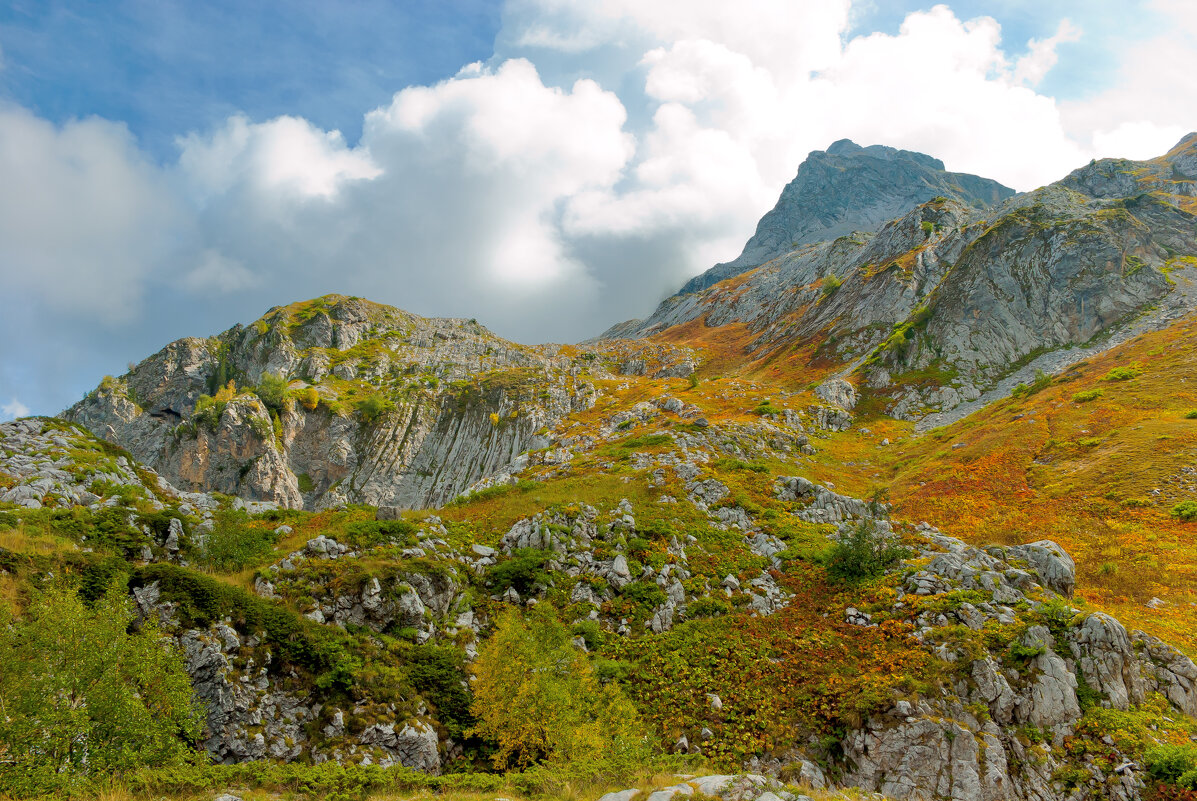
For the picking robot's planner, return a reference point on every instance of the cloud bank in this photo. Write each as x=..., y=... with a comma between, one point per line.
x=608, y=151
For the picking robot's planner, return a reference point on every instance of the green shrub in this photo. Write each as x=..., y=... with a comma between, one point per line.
x=368, y=533
x=831, y=283
x=590, y=632
x=1123, y=374
x=928, y=227
x=523, y=571
x=1086, y=396
x=374, y=406
x=272, y=391
x=766, y=408
x=438, y=673
x=863, y=554
x=707, y=607
x=647, y=441
x=200, y=601
x=307, y=397
x=1185, y=510
x=1041, y=382
x=233, y=544
x=645, y=594
x=1191, y=414
x=497, y=491
x=1175, y=764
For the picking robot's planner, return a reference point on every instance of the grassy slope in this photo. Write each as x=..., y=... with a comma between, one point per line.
x=1099, y=476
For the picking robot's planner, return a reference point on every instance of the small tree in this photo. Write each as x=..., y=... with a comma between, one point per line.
x=272, y=390
x=81, y=697
x=863, y=553
x=536, y=696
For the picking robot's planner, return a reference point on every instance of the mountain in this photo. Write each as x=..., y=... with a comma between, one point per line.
x=948, y=305
x=849, y=188
x=820, y=524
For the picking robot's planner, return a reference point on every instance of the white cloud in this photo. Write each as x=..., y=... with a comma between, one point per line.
x=215, y=274
x=13, y=409
x=286, y=158
x=85, y=218
x=1041, y=54
x=457, y=212
x=1154, y=101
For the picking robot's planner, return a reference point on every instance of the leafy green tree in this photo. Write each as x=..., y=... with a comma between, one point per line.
x=537, y=698
x=864, y=553
x=272, y=391
x=82, y=697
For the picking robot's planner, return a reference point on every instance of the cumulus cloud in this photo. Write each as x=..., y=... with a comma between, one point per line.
x=449, y=204
x=285, y=159
x=85, y=218
x=1041, y=54
x=13, y=409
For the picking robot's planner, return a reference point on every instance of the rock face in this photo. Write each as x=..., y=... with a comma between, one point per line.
x=948, y=306
x=845, y=189
x=965, y=746
x=252, y=714
x=382, y=407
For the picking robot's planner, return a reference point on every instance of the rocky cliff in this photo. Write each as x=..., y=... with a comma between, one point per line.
x=368, y=404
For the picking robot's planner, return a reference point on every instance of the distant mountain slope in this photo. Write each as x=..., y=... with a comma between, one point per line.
x=948, y=303
x=850, y=188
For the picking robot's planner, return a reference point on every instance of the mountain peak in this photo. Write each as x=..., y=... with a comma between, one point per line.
x=849, y=188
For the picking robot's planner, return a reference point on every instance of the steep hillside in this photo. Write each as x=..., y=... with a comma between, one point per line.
x=1101, y=457
x=948, y=304
x=341, y=400
x=696, y=568
x=845, y=189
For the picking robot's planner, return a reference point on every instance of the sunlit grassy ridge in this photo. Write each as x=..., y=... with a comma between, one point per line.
x=1096, y=460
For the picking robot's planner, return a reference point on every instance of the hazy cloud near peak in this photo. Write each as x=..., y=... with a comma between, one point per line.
x=611, y=150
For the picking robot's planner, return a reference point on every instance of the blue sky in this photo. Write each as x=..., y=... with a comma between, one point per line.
x=546, y=166
x=167, y=67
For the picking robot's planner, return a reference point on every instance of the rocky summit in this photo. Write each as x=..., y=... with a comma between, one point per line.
x=845, y=189
x=899, y=502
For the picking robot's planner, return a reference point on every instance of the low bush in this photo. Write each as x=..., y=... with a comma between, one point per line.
x=1185, y=510
x=1086, y=396
x=1175, y=764
x=272, y=391
x=523, y=571
x=1122, y=374
x=233, y=544
x=438, y=673
x=1041, y=382
x=200, y=601
x=374, y=406
x=863, y=554
x=368, y=533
